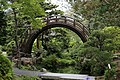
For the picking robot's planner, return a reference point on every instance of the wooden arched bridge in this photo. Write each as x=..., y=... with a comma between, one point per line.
x=56, y=21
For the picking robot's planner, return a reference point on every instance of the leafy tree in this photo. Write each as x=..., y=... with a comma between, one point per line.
x=6, y=32
x=98, y=13
x=21, y=14
x=113, y=41
x=105, y=39
x=25, y=7
x=3, y=31
x=93, y=56
x=50, y=9
x=92, y=61
x=55, y=41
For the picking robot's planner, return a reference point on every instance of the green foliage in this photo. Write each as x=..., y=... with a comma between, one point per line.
x=93, y=61
x=99, y=13
x=5, y=68
x=26, y=78
x=50, y=9
x=61, y=52
x=113, y=42
x=15, y=16
x=57, y=44
x=3, y=30
x=93, y=56
x=106, y=39
x=56, y=41
x=69, y=70
x=54, y=64
x=97, y=51
x=6, y=37
x=30, y=8
x=110, y=74
x=50, y=63
x=65, y=62
x=20, y=15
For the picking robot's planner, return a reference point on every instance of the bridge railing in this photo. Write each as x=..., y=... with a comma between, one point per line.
x=67, y=20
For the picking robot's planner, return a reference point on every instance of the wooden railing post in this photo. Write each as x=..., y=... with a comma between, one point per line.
x=65, y=20
x=83, y=30
x=47, y=19
x=56, y=19
x=74, y=23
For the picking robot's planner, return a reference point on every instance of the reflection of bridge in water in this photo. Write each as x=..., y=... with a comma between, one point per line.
x=53, y=76
x=57, y=21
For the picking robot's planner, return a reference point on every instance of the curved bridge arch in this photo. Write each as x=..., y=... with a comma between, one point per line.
x=58, y=21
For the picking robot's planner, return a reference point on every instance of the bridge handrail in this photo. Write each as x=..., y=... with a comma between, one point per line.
x=67, y=18
x=54, y=21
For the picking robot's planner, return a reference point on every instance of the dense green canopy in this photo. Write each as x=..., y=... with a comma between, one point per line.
x=59, y=49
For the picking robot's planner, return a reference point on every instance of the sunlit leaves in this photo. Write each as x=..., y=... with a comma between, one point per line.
x=5, y=68
x=106, y=39
x=30, y=8
x=104, y=12
x=114, y=37
x=37, y=23
x=50, y=9
x=3, y=4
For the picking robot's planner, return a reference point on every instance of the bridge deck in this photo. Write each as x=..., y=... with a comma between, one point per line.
x=56, y=76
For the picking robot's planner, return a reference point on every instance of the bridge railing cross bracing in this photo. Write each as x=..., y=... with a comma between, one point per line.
x=57, y=21
x=69, y=21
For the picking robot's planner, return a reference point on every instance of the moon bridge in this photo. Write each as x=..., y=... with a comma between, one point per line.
x=56, y=21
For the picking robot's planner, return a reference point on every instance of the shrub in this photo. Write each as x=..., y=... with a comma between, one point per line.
x=110, y=74
x=26, y=78
x=50, y=63
x=5, y=68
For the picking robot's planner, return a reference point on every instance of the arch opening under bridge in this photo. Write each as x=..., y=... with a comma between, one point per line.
x=57, y=21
